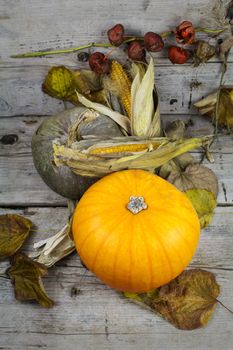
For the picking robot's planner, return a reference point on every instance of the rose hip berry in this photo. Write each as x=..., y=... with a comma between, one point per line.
x=178, y=55
x=136, y=51
x=99, y=63
x=153, y=42
x=116, y=35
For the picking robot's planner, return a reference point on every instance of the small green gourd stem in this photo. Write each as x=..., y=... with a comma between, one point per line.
x=87, y=46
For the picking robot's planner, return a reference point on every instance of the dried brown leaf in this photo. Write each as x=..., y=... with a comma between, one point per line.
x=195, y=176
x=188, y=302
x=225, y=47
x=14, y=229
x=92, y=79
x=203, y=52
x=175, y=129
x=26, y=276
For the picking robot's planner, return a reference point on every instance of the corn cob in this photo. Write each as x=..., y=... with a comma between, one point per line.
x=119, y=76
x=124, y=148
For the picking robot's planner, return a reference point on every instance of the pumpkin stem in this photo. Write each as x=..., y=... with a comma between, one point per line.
x=136, y=204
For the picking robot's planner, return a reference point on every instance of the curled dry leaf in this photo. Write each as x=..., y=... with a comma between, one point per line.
x=203, y=52
x=204, y=202
x=175, y=129
x=188, y=302
x=224, y=48
x=26, y=276
x=207, y=106
x=14, y=229
x=195, y=176
x=176, y=165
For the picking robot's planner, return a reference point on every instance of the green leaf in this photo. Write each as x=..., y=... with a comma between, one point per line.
x=188, y=302
x=26, y=276
x=204, y=202
x=14, y=229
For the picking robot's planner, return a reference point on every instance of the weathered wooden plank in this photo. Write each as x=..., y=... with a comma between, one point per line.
x=214, y=251
x=20, y=88
x=97, y=317
x=21, y=185
x=23, y=127
x=76, y=23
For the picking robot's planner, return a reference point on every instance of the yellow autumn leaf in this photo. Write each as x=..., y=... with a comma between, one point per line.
x=204, y=202
x=14, y=229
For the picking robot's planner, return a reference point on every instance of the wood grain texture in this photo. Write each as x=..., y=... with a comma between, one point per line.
x=52, y=25
x=21, y=185
x=20, y=88
x=28, y=25
x=97, y=317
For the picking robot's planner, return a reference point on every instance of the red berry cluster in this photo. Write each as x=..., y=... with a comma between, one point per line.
x=151, y=42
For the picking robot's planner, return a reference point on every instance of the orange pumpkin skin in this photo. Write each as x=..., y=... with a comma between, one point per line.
x=135, y=252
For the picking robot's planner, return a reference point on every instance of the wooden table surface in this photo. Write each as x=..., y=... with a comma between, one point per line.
x=97, y=317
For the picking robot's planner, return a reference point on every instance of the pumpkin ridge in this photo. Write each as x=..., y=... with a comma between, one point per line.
x=116, y=194
x=167, y=257
x=115, y=258
x=85, y=239
x=130, y=254
x=103, y=243
x=185, y=241
x=125, y=181
x=146, y=243
x=99, y=212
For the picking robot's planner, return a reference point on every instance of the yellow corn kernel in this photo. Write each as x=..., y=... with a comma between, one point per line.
x=124, y=148
x=119, y=76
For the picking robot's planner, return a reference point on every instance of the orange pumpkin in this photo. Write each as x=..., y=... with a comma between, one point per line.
x=135, y=231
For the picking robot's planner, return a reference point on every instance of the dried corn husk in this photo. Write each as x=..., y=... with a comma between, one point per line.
x=145, y=113
x=120, y=119
x=54, y=248
x=158, y=152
